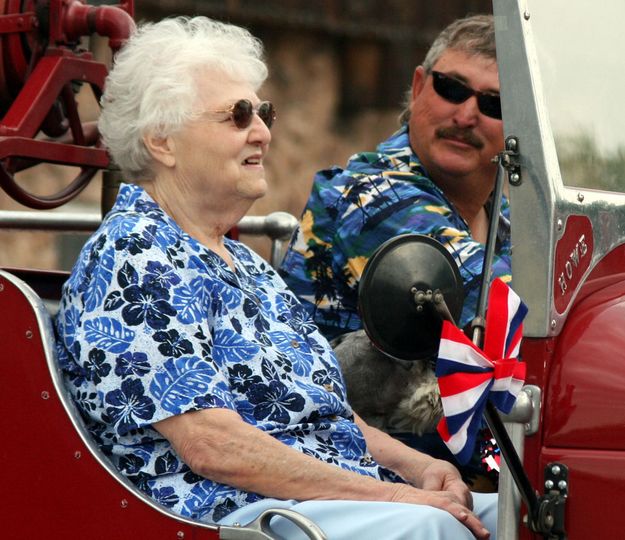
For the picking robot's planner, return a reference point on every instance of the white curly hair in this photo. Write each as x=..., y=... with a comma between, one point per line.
x=152, y=88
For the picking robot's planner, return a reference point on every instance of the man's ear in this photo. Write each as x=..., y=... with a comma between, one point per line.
x=162, y=149
x=418, y=81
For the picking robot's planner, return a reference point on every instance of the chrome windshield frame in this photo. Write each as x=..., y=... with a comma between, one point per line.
x=541, y=204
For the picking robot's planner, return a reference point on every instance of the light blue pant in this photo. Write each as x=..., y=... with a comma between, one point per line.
x=364, y=520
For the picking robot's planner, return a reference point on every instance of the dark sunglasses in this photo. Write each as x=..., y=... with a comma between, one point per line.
x=456, y=91
x=243, y=111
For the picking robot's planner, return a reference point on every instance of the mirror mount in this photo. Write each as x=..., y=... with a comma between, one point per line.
x=408, y=288
x=436, y=298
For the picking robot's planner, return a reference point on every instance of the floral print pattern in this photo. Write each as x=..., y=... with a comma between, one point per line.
x=353, y=211
x=152, y=324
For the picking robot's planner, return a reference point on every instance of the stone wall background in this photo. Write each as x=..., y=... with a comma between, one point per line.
x=338, y=72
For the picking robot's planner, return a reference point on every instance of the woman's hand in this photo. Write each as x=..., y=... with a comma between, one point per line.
x=440, y=475
x=444, y=500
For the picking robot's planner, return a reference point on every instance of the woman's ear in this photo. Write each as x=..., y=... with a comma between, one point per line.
x=162, y=149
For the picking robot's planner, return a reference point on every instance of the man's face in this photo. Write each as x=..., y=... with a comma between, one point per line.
x=455, y=140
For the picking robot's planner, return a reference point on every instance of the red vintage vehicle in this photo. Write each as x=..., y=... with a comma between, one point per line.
x=568, y=264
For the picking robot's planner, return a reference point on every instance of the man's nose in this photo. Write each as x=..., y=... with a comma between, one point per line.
x=467, y=113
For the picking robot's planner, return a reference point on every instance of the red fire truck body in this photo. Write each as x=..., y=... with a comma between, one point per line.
x=568, y=266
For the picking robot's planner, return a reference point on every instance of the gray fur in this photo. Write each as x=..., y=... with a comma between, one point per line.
x=389, y=394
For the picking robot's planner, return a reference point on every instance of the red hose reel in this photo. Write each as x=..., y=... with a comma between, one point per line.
x=41, y=64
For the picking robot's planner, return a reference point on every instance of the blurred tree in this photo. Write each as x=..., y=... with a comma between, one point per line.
x=584, y=164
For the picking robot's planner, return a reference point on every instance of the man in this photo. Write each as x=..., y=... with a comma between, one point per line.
x=434, y=176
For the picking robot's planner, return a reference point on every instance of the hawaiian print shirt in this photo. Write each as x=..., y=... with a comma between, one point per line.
x=353, y=211
x=152, y=324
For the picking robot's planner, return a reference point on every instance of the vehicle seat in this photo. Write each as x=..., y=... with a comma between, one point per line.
x=56, y=480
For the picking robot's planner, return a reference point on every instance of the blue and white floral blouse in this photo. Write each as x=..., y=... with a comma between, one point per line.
x=152, y=324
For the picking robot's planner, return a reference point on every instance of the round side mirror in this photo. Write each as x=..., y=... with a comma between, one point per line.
x=396, y=296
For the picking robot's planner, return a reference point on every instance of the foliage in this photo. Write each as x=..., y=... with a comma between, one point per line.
x=584, y=164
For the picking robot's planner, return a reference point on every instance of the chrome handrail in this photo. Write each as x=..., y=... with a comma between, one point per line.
x=277, y=226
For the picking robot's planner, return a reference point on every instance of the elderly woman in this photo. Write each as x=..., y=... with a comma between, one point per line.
x=198, y=372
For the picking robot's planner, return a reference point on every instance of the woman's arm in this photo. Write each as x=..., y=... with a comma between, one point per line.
x=416, y=468
x=218, y=444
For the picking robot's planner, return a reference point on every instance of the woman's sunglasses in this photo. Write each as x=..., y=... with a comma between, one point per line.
x=243, y=111
x=455, y=91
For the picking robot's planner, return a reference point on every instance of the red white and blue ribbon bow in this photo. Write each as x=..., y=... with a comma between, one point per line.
x=468, y=376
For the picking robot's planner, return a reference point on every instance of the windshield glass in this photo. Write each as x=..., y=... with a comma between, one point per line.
x=583, y=74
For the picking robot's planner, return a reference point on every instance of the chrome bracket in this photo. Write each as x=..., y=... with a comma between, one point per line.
x=549, y=519
x=510, y=160
x=526, y=409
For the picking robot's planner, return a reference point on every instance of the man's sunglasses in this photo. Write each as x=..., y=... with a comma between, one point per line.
x=455, y=91
x=243, y=111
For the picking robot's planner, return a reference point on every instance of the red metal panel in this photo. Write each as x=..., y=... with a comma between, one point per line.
x=43, y=87
x=536, y=353
x=582, y=374
x=596, y=492
x=52, y=487
x=585, y=396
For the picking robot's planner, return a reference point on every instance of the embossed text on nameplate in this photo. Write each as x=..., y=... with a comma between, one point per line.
x=572, y=259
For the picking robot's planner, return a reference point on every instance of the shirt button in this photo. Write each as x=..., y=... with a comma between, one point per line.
x=333, y=417
x=368, y=458
x=329, y=387
x=295, y=344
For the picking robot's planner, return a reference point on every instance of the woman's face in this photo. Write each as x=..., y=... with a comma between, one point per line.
x=216, y=163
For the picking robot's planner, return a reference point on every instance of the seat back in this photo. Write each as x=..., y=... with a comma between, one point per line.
x=56, y=481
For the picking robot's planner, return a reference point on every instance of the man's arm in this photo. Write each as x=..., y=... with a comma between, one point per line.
x=218, y=444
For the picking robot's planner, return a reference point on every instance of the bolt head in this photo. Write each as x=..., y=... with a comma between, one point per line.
x=555, y=469
x=549, y=484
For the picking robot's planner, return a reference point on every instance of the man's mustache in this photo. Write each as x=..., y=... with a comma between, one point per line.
x=462, y=134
